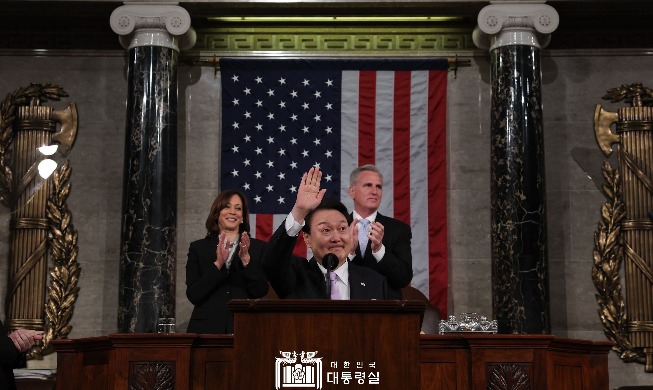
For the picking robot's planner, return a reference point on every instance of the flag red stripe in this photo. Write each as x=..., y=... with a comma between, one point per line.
x=401, y=146
x=300, y=246
x=264, y=226
x=366, y=117
x=437, y=191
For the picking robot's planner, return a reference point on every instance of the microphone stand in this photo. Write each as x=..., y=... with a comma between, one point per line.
x=330, y=262
x=328, y=283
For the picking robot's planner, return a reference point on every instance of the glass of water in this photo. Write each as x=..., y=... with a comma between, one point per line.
x=165, y=325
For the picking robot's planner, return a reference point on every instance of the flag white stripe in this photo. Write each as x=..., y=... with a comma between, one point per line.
x=418, y=179
x=348, y=133
x=384, y=137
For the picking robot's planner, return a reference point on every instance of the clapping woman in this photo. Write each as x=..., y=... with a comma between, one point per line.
x=224, y=265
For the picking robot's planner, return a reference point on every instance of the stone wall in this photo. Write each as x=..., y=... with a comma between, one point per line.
x=573, y=84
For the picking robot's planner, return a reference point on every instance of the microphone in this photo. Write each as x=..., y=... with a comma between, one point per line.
x=330, y=262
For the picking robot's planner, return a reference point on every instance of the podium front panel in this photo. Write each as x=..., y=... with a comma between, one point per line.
x=326, y=344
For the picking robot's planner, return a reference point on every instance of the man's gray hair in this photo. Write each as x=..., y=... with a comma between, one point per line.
x=353, y=177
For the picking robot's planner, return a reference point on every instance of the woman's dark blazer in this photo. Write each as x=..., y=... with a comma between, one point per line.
x=209, y=288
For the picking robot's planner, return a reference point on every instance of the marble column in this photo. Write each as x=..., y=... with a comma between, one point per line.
x=153, y=34
x=514, y=32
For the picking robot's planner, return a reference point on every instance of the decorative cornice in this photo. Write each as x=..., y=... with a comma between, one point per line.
x=509, y=23
x=360, y=40
x=153, y=24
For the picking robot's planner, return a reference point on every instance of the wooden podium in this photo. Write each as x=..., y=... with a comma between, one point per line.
x=373, y=337
x=360, y=344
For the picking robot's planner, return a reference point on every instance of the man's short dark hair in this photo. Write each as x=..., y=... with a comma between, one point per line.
x=326, y=204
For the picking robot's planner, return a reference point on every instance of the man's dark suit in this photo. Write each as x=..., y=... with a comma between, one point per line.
x=210, y=288
x=297, y=278
x=9, y=357
x=397, y=263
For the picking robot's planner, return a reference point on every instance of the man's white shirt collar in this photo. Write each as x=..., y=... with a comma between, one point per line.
x=343, y=276
x=371, y=217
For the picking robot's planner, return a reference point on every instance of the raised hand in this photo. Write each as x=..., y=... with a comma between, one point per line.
x=376, y=236
x=309, y=194
x=353, y=237
x=222, y=251
x=243, y=252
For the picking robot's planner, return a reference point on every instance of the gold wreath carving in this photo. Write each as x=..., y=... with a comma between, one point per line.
x=65, y=271
x=608, y=255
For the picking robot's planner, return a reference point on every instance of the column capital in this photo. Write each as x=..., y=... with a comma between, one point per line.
x=153, y=24
x=510, y=22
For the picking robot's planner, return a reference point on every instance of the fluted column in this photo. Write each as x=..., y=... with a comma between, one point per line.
x=153, y=34
x=514, y=32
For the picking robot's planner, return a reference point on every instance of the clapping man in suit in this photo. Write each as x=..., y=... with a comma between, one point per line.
x=327, y=228
x=383, y=243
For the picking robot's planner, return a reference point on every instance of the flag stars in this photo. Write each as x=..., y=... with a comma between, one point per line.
x=268, y=166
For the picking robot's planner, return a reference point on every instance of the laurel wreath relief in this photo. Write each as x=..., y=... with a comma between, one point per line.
x=608, y=255
x=65, y=270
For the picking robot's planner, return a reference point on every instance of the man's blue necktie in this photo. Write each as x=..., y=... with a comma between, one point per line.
x=363, y=236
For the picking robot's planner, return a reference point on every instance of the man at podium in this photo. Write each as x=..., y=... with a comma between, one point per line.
x=328, y=230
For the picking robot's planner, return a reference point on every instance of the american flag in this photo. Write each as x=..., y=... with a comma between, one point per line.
x=282, y=116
